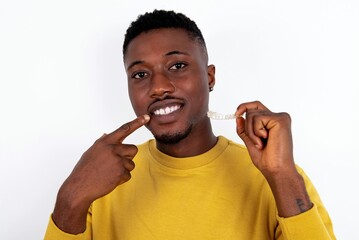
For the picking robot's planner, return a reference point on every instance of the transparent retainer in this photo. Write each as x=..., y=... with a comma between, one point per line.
x=220, y=116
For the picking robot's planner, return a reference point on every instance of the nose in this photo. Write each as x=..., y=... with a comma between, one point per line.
x=161, y=85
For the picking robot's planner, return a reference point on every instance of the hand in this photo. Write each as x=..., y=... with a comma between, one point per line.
x=267, y=136
x=104, y=166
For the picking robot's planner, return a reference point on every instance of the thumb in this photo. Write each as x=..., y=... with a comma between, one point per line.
x=240, y=121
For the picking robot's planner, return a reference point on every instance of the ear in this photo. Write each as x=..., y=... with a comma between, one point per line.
x=211, y=71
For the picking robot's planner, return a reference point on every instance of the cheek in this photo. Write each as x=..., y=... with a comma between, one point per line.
x=203, y=99
x=137, y=99
x=198, y=93
x=201, y=88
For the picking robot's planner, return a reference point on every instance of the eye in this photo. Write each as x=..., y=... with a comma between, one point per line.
x=139, y=75
x=178, y=65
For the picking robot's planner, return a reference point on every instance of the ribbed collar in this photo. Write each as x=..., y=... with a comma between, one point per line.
x=188, y=162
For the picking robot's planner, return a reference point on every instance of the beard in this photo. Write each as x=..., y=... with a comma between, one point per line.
x=173, y=138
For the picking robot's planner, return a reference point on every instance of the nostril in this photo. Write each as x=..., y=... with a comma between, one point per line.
x=162, y=92
x=161, y=85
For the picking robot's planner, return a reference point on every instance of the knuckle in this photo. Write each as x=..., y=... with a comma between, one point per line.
x=286, y=116
x=131, y=165
x=130, y=150
x=99, y=140
x=240, y=106
x=126, y=176
x=135, y=149
x=103, y=140
x=126, y=150
x=125, y=127
x=284, y=119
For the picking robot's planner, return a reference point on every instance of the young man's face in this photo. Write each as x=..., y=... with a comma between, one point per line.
x=168, y=78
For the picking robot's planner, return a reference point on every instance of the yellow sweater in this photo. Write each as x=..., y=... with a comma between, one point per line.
x=217, y=195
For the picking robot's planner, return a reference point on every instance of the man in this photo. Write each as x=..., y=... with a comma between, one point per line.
x=188, y=183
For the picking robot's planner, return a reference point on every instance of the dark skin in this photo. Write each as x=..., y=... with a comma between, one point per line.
x=168, y=86
x=173, y=74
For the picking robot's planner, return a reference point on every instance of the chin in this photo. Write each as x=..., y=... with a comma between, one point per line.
x=173, y=138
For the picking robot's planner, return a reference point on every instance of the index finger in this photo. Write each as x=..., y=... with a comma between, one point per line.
x=244, y=107
x=126, y=129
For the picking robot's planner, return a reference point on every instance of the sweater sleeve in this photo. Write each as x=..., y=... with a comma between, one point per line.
x=55, y=233
x=312, y=224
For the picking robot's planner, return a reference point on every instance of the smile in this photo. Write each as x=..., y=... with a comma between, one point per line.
x=166, y=110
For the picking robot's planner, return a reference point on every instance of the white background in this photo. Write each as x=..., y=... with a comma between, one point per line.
x=63, y=85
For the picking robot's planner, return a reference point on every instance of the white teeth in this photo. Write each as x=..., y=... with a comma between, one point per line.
x=167, y=110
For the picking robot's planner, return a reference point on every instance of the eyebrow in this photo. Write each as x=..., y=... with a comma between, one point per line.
x=175, y=52
x=134, y=63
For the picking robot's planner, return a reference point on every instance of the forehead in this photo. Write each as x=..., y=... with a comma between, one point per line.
x=158, y=42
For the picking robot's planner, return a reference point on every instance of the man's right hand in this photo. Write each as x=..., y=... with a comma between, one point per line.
x=104, y=166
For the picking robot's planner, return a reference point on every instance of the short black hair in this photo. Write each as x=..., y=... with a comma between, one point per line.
x=162, y=19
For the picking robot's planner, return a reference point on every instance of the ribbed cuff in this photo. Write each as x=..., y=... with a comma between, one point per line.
x=54, y=233
x=307, y=225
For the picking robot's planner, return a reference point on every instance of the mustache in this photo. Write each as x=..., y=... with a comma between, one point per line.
x=166, y=97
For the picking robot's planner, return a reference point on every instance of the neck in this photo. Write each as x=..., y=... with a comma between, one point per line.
x=197, y=142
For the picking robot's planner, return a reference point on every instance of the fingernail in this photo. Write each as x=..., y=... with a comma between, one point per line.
x=146, y=117
x=239, y=115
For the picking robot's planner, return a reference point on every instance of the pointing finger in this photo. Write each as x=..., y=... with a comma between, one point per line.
x=126, y=129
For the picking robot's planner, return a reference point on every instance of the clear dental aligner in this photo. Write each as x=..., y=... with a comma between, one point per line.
x=219, y=116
